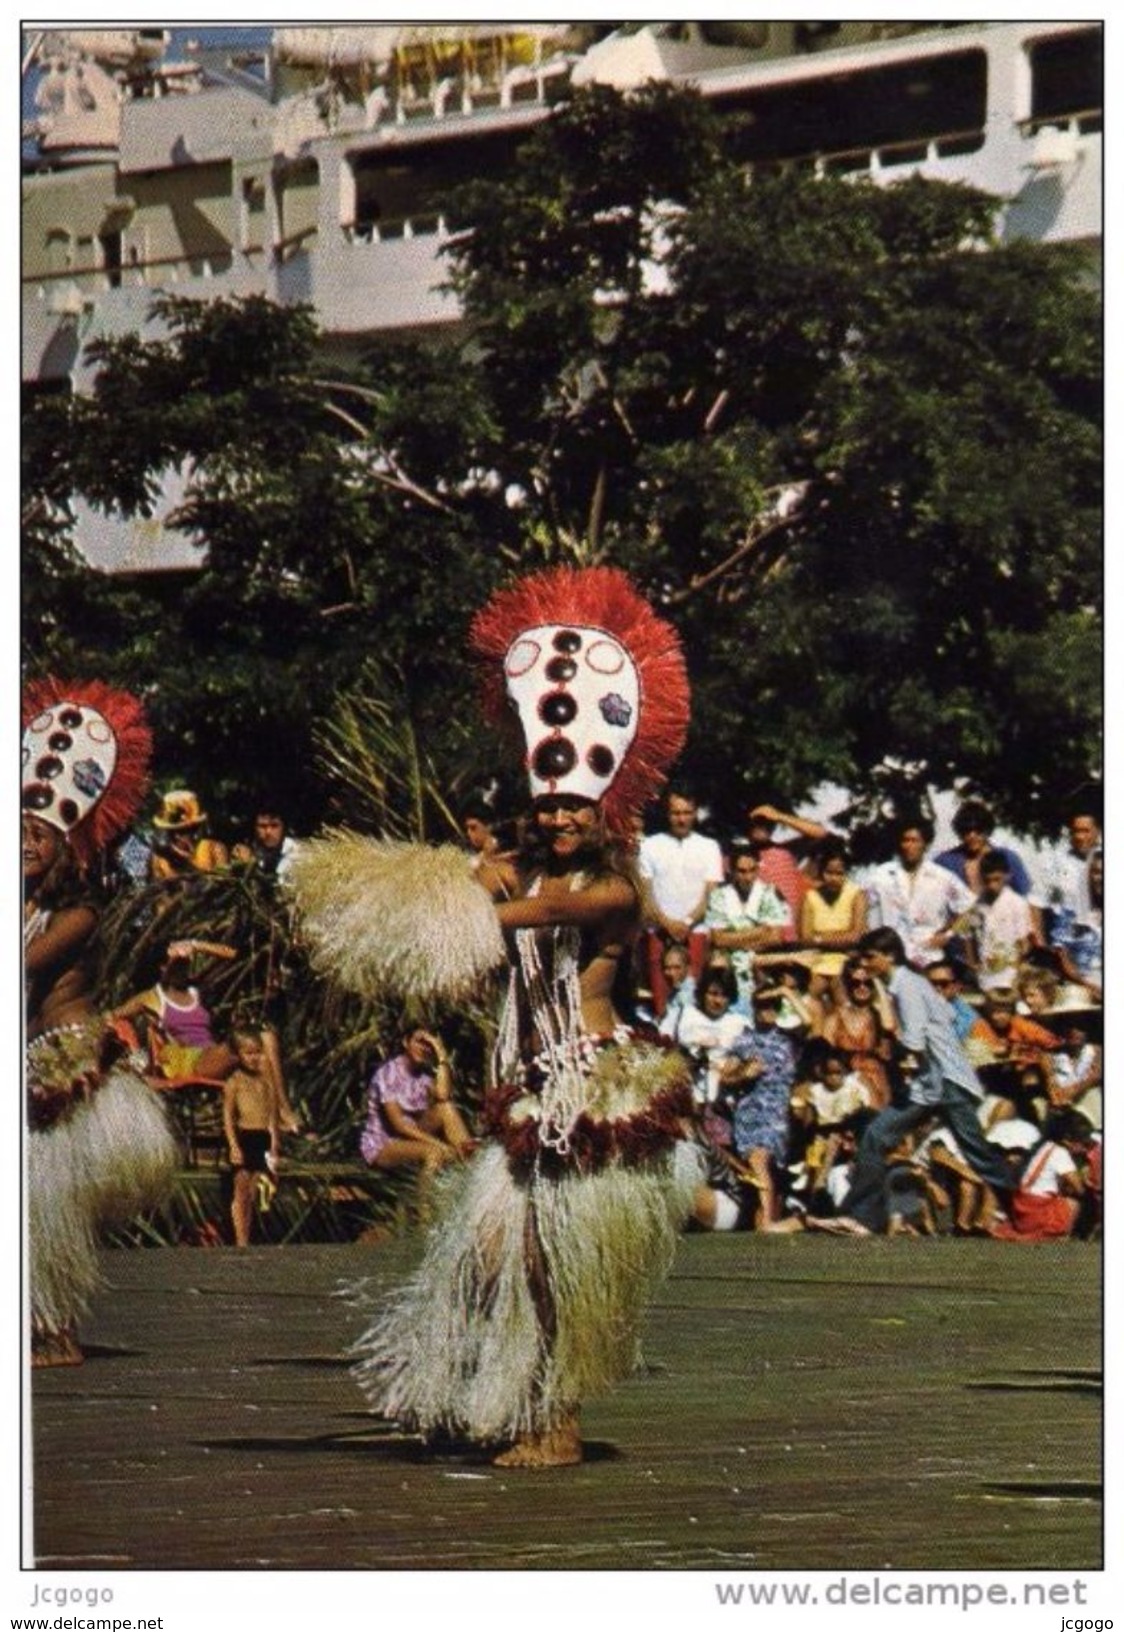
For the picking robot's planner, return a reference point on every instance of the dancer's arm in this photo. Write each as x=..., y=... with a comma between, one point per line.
x=584, y=907
x=65, y=934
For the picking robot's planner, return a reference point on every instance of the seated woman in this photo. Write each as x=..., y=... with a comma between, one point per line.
x=1075, y=1071
x=1047, y=1200
x=181, y=1038
x=411, y=1118
x=184, y=1045
x=708, y=1031
x=860, y=1026
x=832, y=914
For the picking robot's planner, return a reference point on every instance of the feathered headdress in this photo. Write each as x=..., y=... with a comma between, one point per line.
x=86, y=749
x=598, y=680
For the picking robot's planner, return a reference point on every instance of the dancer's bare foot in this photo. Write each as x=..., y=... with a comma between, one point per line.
x=55, y=1349
x=559, y=1447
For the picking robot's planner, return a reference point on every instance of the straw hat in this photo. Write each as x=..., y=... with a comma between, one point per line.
x=1071, y=999
x=179, y=810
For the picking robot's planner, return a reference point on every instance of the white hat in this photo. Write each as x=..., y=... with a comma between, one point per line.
x=1014, y=1133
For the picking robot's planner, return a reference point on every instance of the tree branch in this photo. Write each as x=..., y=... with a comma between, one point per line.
x=597, y=507
x=394, y=476
x=363, y=391
x=715, y=412
x=759, y=534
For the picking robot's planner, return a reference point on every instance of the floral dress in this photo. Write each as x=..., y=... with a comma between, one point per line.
x=761, y=1114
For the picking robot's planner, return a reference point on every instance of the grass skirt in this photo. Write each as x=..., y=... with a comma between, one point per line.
x=111, y=1157
x=475, y=1343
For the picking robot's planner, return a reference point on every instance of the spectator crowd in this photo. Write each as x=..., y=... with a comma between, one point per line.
x=911, y=1046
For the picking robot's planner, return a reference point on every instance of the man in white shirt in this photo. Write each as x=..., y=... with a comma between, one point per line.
x=1061, y=882
x=678, y=869
x=746, y=916
x=916, y=897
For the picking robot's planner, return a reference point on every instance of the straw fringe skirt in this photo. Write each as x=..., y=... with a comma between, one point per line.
x=533, y=1285
x=97, y=1166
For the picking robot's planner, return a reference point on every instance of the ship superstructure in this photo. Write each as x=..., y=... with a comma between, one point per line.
x=314, y=170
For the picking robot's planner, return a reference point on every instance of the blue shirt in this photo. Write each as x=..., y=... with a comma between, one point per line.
x=955, y=861
x=927, y=1028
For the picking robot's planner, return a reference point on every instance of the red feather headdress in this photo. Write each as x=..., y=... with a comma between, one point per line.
x=598, y=679
x=86, y=751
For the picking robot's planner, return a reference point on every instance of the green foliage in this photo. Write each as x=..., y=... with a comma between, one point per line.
x=845, y=437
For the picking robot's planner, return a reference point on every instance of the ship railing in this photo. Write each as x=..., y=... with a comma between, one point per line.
x=1080, y=122
x=873, y=157
x=428, y=224
x=527, y=85
x=136, y=274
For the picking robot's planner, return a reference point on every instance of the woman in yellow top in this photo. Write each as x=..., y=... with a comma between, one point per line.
x=832, y=914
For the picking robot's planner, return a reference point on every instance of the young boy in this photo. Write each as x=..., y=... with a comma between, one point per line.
x=1003, y=924
x=252, y=1124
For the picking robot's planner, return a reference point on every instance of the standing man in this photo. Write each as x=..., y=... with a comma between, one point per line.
x=939, y=1082
x=916, y=897
x=973, y=825
x=746, y=916
x=1062, y=887
x=678, y=869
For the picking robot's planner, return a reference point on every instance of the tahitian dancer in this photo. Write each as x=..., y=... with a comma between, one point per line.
x=551, y=1238
x=98, y=1146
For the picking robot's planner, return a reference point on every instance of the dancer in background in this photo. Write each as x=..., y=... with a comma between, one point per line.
x=98, y=1149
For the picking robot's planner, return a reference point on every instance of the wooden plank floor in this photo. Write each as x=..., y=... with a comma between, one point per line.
x=805, y=1404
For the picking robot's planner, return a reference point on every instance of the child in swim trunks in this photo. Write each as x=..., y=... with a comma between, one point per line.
x=252, y=1125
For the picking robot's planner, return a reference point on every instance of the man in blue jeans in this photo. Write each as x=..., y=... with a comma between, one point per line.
x=939, y=1078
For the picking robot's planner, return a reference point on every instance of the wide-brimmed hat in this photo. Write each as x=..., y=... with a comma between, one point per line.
x=179, y=809
x=1014, y=1133
x=1071, y=1000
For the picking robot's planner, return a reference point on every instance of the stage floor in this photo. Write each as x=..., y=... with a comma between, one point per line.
x=805, y=1403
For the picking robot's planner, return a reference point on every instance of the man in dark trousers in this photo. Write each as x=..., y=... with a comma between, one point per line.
x=938, y=1080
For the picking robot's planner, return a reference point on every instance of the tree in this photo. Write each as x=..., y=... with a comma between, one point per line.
x=846, y=439
x=322, y=561
x=849, y=440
